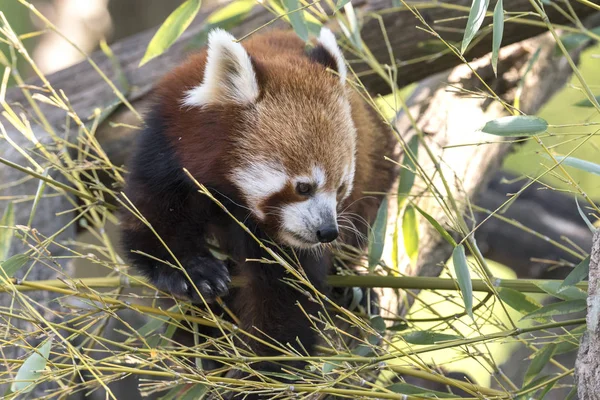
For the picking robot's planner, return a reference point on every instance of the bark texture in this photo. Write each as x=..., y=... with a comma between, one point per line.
x=587, y=366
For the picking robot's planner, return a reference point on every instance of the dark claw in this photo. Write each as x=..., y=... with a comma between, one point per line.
x=210, y=276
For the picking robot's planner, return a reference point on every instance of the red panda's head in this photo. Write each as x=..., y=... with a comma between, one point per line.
x=292, y=157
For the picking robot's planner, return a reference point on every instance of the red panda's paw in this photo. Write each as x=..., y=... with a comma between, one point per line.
x=210, y=276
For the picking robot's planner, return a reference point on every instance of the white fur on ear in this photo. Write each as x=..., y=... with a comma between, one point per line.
x=228, y=77
x=327, y=40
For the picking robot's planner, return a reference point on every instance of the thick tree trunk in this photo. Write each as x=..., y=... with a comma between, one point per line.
x=587, y=370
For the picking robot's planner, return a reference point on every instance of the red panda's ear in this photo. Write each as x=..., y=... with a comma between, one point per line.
x=228, y=76
x=328, y=53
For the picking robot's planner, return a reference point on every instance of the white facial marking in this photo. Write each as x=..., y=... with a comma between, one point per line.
x=327, y=39
x=301, y=220
x=258, y=181
x=318, y=175
x=228, y=76
x=349, y=178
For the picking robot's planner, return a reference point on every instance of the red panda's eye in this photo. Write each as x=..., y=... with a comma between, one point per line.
x=304, y=189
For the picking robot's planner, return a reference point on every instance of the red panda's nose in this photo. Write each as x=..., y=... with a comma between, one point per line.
x=327, y=233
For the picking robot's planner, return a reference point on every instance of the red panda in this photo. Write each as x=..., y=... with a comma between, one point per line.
x=275, y=132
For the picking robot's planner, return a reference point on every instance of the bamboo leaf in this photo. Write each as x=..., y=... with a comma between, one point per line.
x=377, y=235
x=444, y=233
x=555, y=289
x=498, y=31
x=6, y=233
x=296, y=18
x=583, y=165
x=378, y=323
x=579, y=273
x=13, y=264
x=585, y=218
x=410, y=234
x=476, y=17
x=520, y=125
x=518, y=301
x=463, y=276
x=402, y=326
x=407, y=173
x=428, y=337
x=195, y=392
x=539, y=362
x=32, y=369
x=357, y=296
x=171, y=29
x=555, y=309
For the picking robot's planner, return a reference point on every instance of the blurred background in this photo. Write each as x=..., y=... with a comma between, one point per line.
x=87, y=22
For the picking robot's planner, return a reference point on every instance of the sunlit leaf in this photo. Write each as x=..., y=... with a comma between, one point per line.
x=377, y=235
x=518, y=300
x=498, y=31
x=555, y=309
x=463, y=276
x=520, y=125
x=476, y=17
x=583, y=165
x=579, y=273
x=428, y=337
x=556, y=289
x=13, y=264
x=444, y=233
x=32, y=369
x=539, y=362
x=6, y=234
x=296, y=18
x=410, y=233
x=171, y=29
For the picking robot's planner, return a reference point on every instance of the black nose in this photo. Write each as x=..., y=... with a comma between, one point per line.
x=327, y=233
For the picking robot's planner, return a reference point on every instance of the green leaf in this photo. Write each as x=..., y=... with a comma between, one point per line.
x=340, y=4
x=410, y=233
x=6, y=233
x=579, y=273
x=401, y=326
x=520, y=125
x=555, y=309
x=444, y=233
x=408, y=389
x=463, y=276
x=377, y=235
x=476, y=16
x=175, y=392
x=171, y=29
x=378, y=323
x=547, y=389
x=539, y=362
x=407, y=173
x=13, y=264
x=579, y=164
x=32, y=369
x=357, y=296
x=566, y=293
x=195, y=392
x=498, y=28
x=518, y=301
x=296, y=18
x=572, y=394
x=428, y=337
x=587, y=102
x=227, y=17
x=585, y=218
